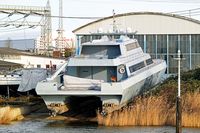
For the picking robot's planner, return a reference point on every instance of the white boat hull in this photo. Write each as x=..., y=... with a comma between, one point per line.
x=115, y=93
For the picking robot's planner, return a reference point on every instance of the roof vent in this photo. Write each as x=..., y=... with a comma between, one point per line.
x=128, y=30
x=100, y=30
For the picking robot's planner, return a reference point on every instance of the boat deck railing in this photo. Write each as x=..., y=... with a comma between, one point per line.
x=10, y=79
x=10, y=76
x=82, y=87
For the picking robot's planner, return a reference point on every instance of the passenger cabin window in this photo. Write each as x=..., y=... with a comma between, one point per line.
x=47, y=66
x=136, y=67
x=132, y=46
x=54, y=67
x=38, y=66
x=149, y=61
x=104, y=51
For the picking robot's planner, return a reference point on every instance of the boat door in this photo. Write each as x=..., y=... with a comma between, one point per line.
x=85, y=72
x=100, y=73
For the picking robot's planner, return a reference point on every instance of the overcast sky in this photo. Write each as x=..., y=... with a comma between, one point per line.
x=102, y=8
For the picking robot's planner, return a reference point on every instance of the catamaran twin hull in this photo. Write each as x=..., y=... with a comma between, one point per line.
x=115, y=94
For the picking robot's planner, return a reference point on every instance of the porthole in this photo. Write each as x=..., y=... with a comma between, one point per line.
x=121, y=69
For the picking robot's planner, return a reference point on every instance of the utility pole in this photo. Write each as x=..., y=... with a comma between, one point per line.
x=178, y=98
x=60, y=38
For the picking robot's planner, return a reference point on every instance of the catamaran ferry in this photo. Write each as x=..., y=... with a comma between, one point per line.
x=112, y=70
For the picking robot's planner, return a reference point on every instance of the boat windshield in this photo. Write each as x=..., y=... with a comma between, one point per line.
x=104, y=51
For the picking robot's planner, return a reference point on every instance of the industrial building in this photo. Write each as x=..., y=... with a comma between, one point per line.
x=21, y=44
x=28, y=59
x=160, y=34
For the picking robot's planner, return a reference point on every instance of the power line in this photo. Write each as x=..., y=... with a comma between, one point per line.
x=70, y=17
x=188, y=13
x=168, y=1
x=185, y=10
x=180, y=12
x=149, y=1
x=14, y=29
x=18, y=28
x=97, y=17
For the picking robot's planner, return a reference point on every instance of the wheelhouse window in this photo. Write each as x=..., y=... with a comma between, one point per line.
x=136, y=67
x=105, y=51
x=149, y=61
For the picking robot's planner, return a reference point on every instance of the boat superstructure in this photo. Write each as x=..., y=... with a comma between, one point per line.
x=113, y=70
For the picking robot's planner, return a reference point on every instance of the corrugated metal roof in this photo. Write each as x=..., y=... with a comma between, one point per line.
x=5, y=63
x=11, y=51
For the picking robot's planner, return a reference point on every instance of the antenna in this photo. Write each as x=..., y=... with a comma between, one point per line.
x=114, y=22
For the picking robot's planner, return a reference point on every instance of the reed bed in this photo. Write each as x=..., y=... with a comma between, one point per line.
x=1, y=99
x=8, y=114
x=191, y=110
x=155, y=111
x=158, y=107
x=144, y=111
x=24, y=107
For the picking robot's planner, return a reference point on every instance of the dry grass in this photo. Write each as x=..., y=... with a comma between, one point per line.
x=143, y=111
x=18, y=99
x=154, y=111
x=8, y=114
x=2, y=99
x=191, y=110
x=159, y=106
x=14, y=99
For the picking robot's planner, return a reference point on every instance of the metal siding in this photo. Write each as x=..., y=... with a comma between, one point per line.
x=22, y=44
x=171, y=33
